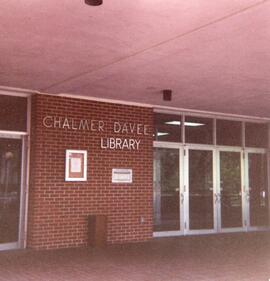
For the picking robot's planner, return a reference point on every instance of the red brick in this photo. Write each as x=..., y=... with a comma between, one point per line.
x=58, y=210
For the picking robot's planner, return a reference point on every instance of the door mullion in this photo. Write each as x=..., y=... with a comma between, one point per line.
x=244, y=189
x=182, y=191
x=246, y=203
x=218, y=192
x=215, y=192
x=186, y=191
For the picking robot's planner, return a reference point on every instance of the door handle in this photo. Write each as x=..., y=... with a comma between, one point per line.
x=182, y=198
x=217, y=198
x=247, y=196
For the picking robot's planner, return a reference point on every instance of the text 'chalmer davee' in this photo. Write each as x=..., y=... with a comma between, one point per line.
x=113, y=143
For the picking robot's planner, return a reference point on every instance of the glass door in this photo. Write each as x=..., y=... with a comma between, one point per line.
x=200, y=204
x=10, y=190
x=167, y=194
x=257, y=198
x=198, y=189
x=230, y=190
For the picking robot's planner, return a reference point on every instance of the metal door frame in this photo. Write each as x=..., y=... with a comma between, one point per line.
x=187, y=148
x=241, y=151
x=247, y=197
x=178, y=147
x=23, y=186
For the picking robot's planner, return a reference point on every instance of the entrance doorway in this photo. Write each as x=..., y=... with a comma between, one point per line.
x=200, y=189
x=257, y=193
x=11, y=191
x=166, y=192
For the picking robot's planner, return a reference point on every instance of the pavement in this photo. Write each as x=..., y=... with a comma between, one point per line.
x=238, y=256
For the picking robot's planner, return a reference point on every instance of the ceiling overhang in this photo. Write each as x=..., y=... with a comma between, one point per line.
x=214, y=55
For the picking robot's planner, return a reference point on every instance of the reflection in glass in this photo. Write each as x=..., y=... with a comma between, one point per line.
x=167, y=127
x=198, y=130
x=200, y=189
x=10, y=180
x=256, y=135
x=166, y=189
x=229, y=133
x=258, y=189
x=13, y=113
x=230, y=186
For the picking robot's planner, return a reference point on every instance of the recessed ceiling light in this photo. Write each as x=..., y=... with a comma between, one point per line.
x=178, y=123
x=93, y=2
x=159, y=134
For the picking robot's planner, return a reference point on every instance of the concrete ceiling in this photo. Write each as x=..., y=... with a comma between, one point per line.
x=214, y=55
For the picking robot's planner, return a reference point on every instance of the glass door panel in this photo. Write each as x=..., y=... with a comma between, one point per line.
x=230, y=189
x=166, y=189
x=258, y=191
x=10, y=185
x=201, y=211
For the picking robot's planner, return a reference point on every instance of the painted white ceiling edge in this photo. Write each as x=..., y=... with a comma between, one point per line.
x=157, y=108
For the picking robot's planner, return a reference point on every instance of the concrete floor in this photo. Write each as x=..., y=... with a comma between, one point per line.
x=229, y=257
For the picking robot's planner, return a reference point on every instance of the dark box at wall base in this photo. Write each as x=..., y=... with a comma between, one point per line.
x=97, y=230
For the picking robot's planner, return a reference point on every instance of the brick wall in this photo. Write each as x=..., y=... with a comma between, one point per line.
x=58, y=209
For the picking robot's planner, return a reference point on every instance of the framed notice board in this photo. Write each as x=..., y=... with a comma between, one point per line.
x=76, y=165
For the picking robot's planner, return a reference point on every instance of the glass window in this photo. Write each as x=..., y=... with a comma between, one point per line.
x=229, y=133
x=256, y=135
x=13, y=113
x=258, y=189
x=167, y=127
x=201, y=212
x=166, y=189
x=198, y=130
x=230, y=189
x=10, y=182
